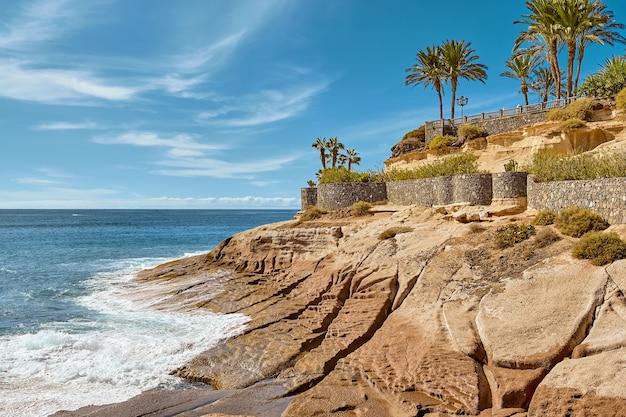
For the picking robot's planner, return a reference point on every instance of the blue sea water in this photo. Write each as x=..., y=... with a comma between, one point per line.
x=71, y=333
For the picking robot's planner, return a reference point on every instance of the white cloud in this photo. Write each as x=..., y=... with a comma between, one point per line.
x=181, y=144
x=38, y=21
x=67, y=126
x=206, y=167
x=53, y=86
x=265, y=107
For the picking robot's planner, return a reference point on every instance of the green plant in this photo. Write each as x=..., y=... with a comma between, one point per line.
x=463, y=163
x=580, y=109
x=418, y=134
x=511, y=166
x=360, y=208
x=513, y=233
x=311, y=183
x=390, y=233
x=556, y=114
x=620, y=100
x=341, y=174
x=546, y=237
x=600, y=248
x=544, y=218
x=471, y=131
x=546, y=166
x=440, y=141
x=311, y=213
x=576, y=221
x=572, y=124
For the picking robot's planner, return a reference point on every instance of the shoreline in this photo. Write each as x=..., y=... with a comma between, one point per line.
x=260, y=400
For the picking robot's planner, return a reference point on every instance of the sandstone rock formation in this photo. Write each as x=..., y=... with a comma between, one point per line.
x=435, y=321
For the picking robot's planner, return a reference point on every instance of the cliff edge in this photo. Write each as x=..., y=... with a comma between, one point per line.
x=435, y=320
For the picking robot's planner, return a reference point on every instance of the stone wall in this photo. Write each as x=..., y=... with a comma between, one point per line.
x=439, y=191
x=605, y=196
x=509, y=184
x=308, y=197
x=340, y=195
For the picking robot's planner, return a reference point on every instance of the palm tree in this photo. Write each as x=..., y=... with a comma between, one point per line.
x=542, y=34
x=521, y=67
x=334, y=146
x=602, y=30
x=428, y=71
x=544, y=84
x=459, y=62
x=353, y=158
x=320, y=144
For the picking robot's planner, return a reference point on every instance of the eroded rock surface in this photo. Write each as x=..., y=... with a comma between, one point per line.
x=434, y=321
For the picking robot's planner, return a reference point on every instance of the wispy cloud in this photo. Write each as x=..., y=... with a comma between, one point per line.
x=265, y=107
x=68, y=126
x=37, y=21
x=208, y=167
x=229, y=202
x=180, y=144
x=22, y=82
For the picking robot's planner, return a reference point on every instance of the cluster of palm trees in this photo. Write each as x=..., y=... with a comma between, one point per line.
x=329, y=153
x=552, y=26
x=440, y=64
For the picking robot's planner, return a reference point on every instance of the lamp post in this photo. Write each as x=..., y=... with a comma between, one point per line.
x=462, y=101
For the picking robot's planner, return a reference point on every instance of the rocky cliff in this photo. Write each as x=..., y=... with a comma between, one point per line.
x=434, y=321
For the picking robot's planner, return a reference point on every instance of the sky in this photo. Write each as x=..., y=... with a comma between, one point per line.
x=215, y=103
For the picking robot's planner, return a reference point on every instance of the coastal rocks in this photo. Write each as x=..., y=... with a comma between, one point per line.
x=435, y=321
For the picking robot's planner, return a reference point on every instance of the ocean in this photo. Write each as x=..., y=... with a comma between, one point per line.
x=73, y=331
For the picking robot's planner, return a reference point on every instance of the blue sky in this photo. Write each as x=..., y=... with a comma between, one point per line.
x=215, y=103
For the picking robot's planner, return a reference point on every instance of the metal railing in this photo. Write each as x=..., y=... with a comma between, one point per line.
x=516, y=111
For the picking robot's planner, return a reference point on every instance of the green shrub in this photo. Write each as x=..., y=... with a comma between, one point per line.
x=471, y=131
x=557, y=114
x=544, y=218
x=463, y=163
x=511, y=166
x=576, y=221
x=601, y=248
x=546, y=237
x=547, y=166
x=440, y=141
x=512, y=233
x=390, y=233
x=620, y=100
x=571, y=124
x=418, y=134
x=360, y=208
x=341, y=174
x=311, y=213
x=580, y=109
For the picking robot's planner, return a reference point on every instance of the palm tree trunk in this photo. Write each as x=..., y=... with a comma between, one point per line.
x=453, y=84
x=581, y=53
x=554, y=66
x=440, y=104
x=571, y=54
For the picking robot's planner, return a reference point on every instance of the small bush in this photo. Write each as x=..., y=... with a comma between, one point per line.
x=360, y=208
x=620, y=100
x=556, y=115
x=312, y=213
x=512, y=233
x=547, y=166
x=390, y=233
x=511, y=166
x=580, y=109
x=601, y=248
x=418, y=134
x=471, y=131
x=463, y=163
x=546, y=237
x=544, y=218
x=341, y=174
x=440, y=141
x=476, y=228
x=572, y=124
x=576, y=221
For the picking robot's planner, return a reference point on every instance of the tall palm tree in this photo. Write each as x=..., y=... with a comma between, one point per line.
x=320, y=144
x=544, y=84
x=428, y=71
x=521, y=67
x=334, y=146
x=353, y=158
x=542, y=33
x=603, y=29
x=459, y=62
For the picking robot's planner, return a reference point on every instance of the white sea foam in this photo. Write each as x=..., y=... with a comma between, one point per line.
x=128, y=348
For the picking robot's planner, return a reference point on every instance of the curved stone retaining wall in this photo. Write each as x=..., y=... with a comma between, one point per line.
x=605, y=196
x=509, y=184
x=440, y=191
x=308, y=197
x=340, y=195
x=472, y=188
